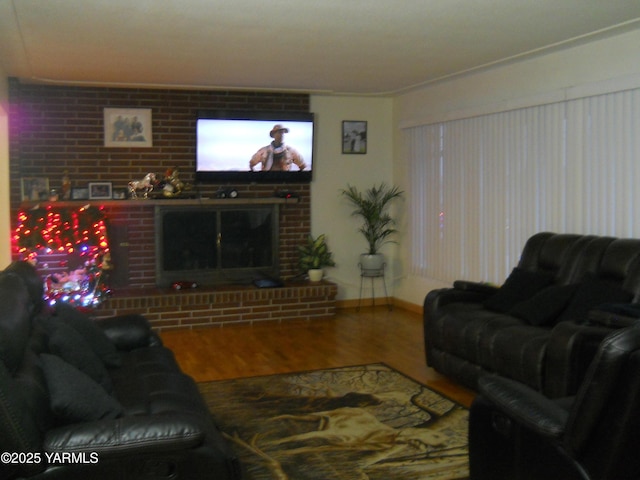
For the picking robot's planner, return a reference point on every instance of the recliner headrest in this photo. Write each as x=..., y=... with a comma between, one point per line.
x=32, y=280
x=618, y=258
x=15, y=320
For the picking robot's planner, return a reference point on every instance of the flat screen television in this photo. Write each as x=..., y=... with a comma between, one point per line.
x=241, y=146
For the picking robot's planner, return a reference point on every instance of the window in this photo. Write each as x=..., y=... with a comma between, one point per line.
x=481, y=186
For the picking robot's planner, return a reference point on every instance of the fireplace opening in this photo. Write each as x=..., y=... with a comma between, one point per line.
x=216, y=245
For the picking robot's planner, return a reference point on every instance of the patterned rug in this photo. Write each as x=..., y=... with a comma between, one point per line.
x=351, y=423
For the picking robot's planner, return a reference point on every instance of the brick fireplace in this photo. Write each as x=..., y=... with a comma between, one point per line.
x=134, y=282
x=58, y=131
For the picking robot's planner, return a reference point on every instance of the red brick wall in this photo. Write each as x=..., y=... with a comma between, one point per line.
x=58, y=128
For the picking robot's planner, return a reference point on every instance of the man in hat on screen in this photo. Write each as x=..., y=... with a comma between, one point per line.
x=277, y=155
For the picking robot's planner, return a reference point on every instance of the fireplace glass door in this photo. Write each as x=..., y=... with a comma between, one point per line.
x=214, y=245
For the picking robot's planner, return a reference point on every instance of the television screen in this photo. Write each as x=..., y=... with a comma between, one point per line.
x=254, y=147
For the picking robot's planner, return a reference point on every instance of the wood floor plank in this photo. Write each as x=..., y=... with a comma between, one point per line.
x=351, y=338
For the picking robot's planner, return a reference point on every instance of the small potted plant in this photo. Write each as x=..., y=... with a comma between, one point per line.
x=372, y=207
x=314, y=255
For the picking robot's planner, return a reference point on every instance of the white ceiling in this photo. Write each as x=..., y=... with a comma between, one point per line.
x=338, y=46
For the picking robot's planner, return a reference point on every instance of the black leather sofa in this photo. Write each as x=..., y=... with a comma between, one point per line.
x=516, y=433
x=543, y=326
x=92, y=399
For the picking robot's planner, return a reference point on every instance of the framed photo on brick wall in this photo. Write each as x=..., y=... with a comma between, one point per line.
x=127, y=127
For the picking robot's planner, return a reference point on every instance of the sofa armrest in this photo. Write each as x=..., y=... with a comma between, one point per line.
x=524, y=405
x=470, y=292
x=570, y=350
x=615, y=316
x=129, y=332
x=479, y=287
x=130, y=435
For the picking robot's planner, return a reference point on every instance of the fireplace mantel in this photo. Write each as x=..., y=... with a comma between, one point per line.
x=168, y=201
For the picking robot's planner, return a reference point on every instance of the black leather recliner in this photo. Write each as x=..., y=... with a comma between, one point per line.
x=97, y=399
x=516, y=433
x=541, y=334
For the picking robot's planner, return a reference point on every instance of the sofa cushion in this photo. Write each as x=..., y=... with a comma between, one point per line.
x=75, y=397
x=545, y=306
x=518, y=353
x=69, y=345
x=138, y=384
x=93, y=335
x=520, y=285
x=467, y=328
x=591, y=293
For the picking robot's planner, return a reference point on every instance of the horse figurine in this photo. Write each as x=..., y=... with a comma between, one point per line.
x=146, y=185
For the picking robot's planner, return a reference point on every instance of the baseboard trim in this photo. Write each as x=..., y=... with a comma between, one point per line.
x=368, y=302
x=412, y=307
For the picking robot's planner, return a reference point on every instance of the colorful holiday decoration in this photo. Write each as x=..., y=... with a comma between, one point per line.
x=81, y=234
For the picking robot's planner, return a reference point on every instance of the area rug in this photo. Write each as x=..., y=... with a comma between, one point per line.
x=351, y=423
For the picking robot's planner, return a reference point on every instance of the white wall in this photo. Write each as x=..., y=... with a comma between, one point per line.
x=330, y=214
x=601, y=66
x=5, y=229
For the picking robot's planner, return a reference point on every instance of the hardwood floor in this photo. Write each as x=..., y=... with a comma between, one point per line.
x=351, y=338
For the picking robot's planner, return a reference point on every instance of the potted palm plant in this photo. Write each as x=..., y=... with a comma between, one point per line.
x=314, y=255
x=372, y=205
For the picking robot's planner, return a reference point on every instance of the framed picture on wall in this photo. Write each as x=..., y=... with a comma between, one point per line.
x=354, y=136
x=34, y=188
x=100, y=191
x=127, y=127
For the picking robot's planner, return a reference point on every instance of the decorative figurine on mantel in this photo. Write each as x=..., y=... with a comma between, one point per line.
x=172, y=184
x=145, y=185
x=65, y=191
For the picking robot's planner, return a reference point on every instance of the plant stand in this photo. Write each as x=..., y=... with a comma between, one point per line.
x=373, y=274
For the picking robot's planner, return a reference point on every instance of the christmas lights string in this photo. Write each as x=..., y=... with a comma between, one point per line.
x=81, y=231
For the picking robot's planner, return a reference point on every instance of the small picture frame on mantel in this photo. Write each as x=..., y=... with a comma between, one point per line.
x=79, y=193
x=354, y=137
x=34, y=189
x=100, y=191
x=120, y=193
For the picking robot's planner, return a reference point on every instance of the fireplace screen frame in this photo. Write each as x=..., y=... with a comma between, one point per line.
x=218, y=271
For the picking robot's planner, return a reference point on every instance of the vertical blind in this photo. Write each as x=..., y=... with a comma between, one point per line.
x=479, y=187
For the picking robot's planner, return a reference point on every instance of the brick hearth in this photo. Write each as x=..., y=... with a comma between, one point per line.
x=168, y=309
